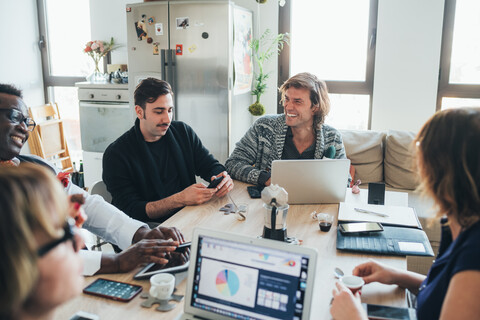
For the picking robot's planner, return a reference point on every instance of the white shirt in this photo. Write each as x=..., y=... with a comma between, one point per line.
x=104, y=220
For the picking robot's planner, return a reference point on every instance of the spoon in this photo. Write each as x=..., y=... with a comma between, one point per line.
x=338, y=273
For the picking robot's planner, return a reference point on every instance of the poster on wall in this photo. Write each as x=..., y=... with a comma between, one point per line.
x=242, y=53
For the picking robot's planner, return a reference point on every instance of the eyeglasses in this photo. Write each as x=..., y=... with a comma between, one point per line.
x=69, y=234
x=17, y=117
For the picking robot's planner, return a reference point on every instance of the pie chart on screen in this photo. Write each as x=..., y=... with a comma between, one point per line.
x=227, y=283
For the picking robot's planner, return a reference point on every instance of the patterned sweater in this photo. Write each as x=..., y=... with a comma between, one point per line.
x=264, y=143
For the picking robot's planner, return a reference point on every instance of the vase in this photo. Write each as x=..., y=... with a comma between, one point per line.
x=97, y=76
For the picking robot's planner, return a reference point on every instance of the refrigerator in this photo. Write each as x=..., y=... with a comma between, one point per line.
x=202, y=49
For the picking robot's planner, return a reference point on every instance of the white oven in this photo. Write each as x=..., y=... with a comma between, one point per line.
x=104, y=116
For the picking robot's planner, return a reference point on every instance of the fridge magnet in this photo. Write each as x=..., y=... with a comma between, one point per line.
x=149, y=40
x=192, y=48
x=155, y=49
x=179, y=49
x=141, y=28
x=129, y=9
x=151, y=20
x=183, y=23
x=159, y=29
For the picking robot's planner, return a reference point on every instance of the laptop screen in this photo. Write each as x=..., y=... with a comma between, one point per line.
x=243, y=281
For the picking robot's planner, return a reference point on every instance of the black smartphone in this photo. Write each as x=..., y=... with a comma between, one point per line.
x=376, y=193
x=215, y=182
x=356, y=227
x=111, y=289
x=391, y=313
x=182, y=247
x=254, y=192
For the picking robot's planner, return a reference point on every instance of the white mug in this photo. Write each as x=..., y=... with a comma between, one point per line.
x=162, y=285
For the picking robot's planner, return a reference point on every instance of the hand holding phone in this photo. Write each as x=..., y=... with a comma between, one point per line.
x=215, y=182
x=183, y=247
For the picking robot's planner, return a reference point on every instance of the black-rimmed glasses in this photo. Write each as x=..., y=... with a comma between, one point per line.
x=17, y=117
x=69, y=234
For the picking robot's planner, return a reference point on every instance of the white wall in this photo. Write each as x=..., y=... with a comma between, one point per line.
x=407, y=58
x=20, y=61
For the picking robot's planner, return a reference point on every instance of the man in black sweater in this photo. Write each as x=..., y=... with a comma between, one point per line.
x=150, y=170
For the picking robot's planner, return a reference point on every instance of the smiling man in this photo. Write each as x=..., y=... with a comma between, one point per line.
x=299, y=133
x=151, y=169
x=104, y=219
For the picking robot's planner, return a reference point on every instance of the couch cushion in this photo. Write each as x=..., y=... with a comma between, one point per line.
x=365, y=151
x=398, y=167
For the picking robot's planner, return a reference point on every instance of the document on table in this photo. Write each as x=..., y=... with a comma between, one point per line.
x=389, y=215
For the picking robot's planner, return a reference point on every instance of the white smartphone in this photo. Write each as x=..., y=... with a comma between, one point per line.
x=360, y=227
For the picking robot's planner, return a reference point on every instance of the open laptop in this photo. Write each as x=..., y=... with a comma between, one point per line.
x=232, y=276
x=312, y=181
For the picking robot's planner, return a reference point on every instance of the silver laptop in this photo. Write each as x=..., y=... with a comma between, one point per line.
x=312, y=181
x=232, y=276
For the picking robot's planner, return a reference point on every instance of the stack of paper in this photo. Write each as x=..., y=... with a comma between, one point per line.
x=389, y=215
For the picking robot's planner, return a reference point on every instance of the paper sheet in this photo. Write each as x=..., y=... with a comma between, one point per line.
x=401, y=216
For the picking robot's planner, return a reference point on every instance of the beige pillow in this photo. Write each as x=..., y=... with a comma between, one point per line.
x=399, y=152
x=365, y=151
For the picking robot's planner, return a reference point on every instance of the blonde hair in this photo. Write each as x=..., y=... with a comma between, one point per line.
x=449, y=162
x=28, y=196
x=318, y=93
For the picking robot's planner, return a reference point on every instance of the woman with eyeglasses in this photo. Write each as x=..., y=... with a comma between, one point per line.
x=448, y=158
x=40, y=268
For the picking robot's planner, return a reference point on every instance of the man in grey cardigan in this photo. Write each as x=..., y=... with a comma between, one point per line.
x=299, y=133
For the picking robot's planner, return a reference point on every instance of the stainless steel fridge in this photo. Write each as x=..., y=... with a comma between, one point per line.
x=201, y=49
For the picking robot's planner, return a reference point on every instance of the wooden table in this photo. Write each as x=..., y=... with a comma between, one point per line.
x=299, y=224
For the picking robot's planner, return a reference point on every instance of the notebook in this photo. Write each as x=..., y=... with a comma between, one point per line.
x=391, y=241
x=237, y=277
x=312, y=181
x=392, y=215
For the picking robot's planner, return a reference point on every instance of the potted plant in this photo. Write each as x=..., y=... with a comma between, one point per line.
x=263, y=49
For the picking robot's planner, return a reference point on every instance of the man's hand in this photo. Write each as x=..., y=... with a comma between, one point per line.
x=144, y=251
x=196, y=194
x=225, y=186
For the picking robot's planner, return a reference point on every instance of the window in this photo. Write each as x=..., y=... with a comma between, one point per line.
x=64, y=30
x=335, y=40
x=459, y=83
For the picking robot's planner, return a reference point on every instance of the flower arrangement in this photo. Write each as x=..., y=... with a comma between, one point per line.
x=98, y=49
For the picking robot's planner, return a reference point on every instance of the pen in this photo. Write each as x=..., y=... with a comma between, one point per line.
x=371, y=212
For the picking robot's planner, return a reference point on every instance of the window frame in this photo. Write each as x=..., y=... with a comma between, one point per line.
x=50, y=80
x=335, y=87
x=446, y=89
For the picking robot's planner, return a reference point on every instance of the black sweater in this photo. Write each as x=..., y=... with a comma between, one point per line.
x=132, y=177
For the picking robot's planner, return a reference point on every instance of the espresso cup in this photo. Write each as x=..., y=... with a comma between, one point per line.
x=162, y=285
x=353, y=283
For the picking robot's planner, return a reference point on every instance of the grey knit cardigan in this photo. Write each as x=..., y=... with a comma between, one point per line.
x=264, y=143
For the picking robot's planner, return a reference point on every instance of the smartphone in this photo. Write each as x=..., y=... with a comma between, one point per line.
x=376, y=193
x=82, y=315
x=375, y=311
x=111, y=289
x=254, y=192
x=182, y=247
x=360, y=227
x=215, y=182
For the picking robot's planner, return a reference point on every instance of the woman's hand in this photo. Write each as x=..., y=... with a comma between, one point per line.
x=345, y=305
x=373, y=271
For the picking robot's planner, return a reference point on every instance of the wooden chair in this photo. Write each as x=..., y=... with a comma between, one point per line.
x=48, y=139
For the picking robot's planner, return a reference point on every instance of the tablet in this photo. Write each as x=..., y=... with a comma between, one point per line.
x=153, y=268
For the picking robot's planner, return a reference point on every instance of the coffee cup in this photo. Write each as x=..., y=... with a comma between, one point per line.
x=325, y=221
x=162, y=285
x=353, y=283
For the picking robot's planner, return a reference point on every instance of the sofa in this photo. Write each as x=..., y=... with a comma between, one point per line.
x=387, y=156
